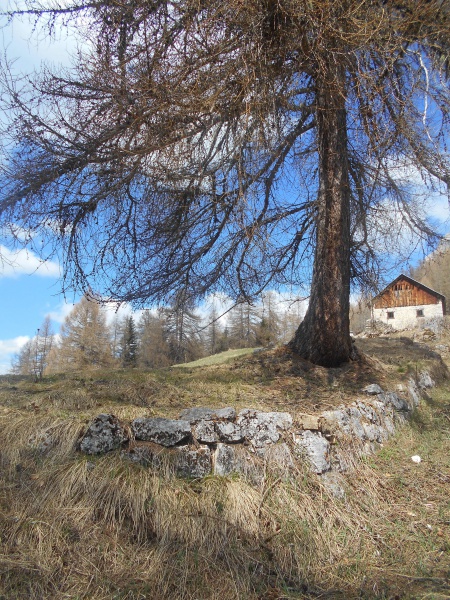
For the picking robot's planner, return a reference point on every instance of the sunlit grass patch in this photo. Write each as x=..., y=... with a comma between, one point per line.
x=217, y=359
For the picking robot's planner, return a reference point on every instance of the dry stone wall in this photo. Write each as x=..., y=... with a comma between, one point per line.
x=220, y=441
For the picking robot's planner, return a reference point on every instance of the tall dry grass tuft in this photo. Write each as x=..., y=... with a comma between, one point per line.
x=102, y=528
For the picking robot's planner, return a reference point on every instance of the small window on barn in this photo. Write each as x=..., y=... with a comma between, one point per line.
x=419, y=312
x=390, y=314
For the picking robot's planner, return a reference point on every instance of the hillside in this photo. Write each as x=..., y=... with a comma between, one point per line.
x=78, y=526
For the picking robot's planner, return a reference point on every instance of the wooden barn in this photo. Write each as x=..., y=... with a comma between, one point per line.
x=407, y=303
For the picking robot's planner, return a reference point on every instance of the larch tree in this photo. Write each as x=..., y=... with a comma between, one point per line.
x=84, y=339
x=270, y=326
x=34, y=356
x=243, y=325
x=213, y=332
x=154, y=350
x=223, y=144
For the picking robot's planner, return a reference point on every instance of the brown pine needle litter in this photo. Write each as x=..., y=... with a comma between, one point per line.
x=76, y=526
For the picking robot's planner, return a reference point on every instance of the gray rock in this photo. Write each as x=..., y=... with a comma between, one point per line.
x=146, y=454
x=262, y=428
x=229, y=432
x=236, y=459
x=389, y=425
x=414, y=393
x=42, y=440
x=425, y=380
x=167, y=432
x=205, y=432
x=192, y=462
x=347, y=420
x=374, y=433
x=355, y=422
x=193, y=415
x=398, y=403
x=104, y=434
x=368, y=412
x=373, y=389
x=315, y=448
x=225, y=460
x=183, y=460
x=342, y=461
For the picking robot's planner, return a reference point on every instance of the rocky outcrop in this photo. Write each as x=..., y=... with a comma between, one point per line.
x=219, y=441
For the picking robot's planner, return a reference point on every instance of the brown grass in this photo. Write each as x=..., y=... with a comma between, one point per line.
x=80, y=527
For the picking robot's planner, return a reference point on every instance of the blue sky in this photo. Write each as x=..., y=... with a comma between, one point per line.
x=29, y=290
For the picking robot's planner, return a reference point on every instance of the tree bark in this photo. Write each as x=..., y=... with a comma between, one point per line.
x=324, y=335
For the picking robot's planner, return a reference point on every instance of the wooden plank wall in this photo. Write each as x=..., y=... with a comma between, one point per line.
x=404, y=293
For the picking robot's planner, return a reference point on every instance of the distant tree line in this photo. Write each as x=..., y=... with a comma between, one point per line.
x=169, y=335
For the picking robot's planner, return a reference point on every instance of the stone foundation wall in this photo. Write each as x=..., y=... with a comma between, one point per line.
x=405, y=317
x=207, y=441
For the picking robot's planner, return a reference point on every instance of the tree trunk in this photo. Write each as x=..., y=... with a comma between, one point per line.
x=324, y=335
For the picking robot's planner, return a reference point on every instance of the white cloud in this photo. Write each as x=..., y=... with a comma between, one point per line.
x=8, y=348
x=438, y=207
x=429, y=191
x=61, y=312
x=119, y=310
x=25, y=262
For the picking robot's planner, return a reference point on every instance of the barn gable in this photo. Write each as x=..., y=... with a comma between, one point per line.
x=405, y=291
x=407, y=303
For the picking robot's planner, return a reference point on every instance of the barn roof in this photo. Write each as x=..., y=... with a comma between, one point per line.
x=416, y=283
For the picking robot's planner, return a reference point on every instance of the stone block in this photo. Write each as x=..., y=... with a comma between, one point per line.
x=413, y=392
x=147, y=454
x=262, y=428
x=104, y=434
x=316, y=449
x=229, y=432
x=425, y=380
x=193, y=415
x=204, y=431
x=236, y=459
x=373, y=389
x=397, y=403
x=42, y=440
x=279, y=456
x=167, y=432
x=309, y=421
x=190, y=462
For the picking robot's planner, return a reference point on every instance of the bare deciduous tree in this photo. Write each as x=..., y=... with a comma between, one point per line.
x=220, y=144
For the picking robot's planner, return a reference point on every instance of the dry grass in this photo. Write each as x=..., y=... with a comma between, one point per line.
x=101, y=528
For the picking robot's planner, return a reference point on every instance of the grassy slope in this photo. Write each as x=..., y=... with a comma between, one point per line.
x=77, y=527
x=218, y=359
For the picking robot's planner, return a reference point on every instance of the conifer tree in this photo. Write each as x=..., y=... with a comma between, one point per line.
x=84, y=340
x=129, y=343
